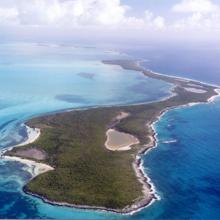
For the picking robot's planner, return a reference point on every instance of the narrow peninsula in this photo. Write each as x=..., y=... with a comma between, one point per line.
x=96, y=153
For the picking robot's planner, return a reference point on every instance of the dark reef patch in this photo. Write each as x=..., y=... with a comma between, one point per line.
x=72, y=98
x=87, y=75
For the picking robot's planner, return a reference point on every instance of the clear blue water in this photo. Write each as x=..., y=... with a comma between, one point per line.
x=190, y=179
x=195, y=61
x=35, y=79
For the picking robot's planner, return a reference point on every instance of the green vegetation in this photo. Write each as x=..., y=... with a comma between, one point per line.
x=86, y=173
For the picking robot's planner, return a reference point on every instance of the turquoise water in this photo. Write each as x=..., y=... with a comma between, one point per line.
x=39, y=78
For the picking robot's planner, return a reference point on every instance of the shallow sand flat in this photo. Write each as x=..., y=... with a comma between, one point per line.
x=122, y=115
x=119, y=141
x=195, y=90
x=35, y=168
x=31, y=153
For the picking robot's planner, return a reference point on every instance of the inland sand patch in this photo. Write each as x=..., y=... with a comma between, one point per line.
x=119, y=141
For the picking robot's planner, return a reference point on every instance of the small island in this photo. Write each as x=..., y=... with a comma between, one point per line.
x=94, y=155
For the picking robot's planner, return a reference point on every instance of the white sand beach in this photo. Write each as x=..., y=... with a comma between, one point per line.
x=215, y=96
x=35, y=168
x=32, y=133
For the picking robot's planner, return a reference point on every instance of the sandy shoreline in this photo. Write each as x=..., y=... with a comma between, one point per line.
x=212, y=99
x=32, y=133
x=35, y=168
x=138, y=64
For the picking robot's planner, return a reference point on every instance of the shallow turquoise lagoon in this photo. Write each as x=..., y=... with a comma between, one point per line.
x=35, y=79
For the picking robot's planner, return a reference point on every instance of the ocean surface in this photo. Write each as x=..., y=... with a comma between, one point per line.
x=39, y=78
x=195, y=61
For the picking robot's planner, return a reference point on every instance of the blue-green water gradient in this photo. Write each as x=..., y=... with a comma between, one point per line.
x=41, y=78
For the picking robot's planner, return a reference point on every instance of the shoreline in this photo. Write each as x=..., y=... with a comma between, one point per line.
x=33, y=167
x=148, y=187
x=138, y=63
x=138, y=164
x=212, y=99
x=128, y=211
x=32, y=135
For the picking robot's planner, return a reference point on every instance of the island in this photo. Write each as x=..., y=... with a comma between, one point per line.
x=94, y=155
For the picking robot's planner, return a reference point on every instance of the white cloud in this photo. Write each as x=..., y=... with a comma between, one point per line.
x=195, y=6
x=77, y=13
x=86, y=12
x=199, y=21
x=159, y=22
x=203, y=15
x=152, y=20
x=8, y=14
x=72, y=12
x=110, y=17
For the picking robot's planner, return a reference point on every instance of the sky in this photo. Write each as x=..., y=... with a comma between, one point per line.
x=120, y=21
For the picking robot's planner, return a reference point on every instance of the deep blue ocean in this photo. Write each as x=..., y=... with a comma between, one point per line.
x=40, y=78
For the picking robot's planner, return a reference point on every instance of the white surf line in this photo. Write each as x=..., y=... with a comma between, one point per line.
x=212, y=99
x=32, y=133
x=138, y=63
x=33, y=167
